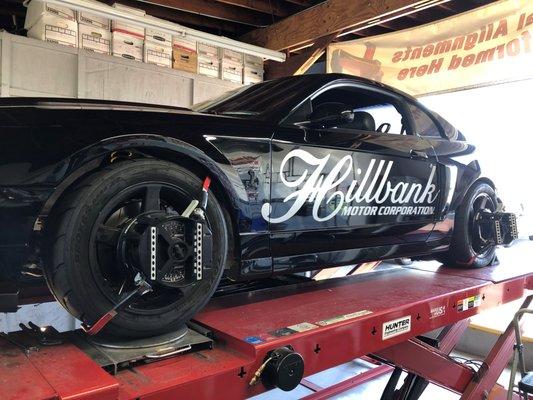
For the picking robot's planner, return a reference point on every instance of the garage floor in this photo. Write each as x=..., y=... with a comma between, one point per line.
x=368, y=391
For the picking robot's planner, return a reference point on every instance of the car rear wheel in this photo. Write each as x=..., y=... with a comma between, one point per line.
x=83, y=231
x=470, y=247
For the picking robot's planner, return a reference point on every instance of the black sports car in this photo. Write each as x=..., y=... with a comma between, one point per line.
x=134, y=213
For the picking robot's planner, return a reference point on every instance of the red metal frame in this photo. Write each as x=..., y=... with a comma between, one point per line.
x=347, y=314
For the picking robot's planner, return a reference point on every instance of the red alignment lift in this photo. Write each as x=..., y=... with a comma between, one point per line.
x=328, y=323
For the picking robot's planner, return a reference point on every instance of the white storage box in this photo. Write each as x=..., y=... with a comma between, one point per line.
x=158, y=54
x=37, y=9
x=231, y=56
x=253, y=61
x=95, y=39
x=127, y=46
x=184, y=43
x=208, y=66
x=94, y=20
x=252, y=75
x=231, y=71
x=51, y=28
x=207, y=51
x=156, y=35
x=124, y=27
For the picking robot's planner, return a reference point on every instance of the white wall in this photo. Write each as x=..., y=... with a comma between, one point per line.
x=498, y=120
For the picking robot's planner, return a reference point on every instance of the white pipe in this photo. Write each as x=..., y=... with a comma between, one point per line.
x=106, y=11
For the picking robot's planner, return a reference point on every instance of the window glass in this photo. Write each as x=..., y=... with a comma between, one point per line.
x=424, y=125
x=373, y=111
x=387, y=118
x=449, y=130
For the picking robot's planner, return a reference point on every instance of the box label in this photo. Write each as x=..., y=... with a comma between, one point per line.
x=396, y=327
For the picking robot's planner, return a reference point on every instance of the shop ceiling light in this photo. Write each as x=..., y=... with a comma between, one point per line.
x=104, y=10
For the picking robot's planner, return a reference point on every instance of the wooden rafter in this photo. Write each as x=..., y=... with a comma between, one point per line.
x=274, y=7
x=302, y=3
x=187, y=19
x=218, y=10
x=331, y=16
x=300, y=63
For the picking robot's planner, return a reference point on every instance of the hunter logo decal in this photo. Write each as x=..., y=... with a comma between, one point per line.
x=370, y=193
x=396, y=327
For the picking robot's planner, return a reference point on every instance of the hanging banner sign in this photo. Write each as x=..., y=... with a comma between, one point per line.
x=487, y=45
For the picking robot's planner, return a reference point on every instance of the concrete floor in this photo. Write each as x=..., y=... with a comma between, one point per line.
x=369, y=391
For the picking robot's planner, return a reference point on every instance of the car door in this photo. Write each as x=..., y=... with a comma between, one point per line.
x=353, y=191
x=454, y=164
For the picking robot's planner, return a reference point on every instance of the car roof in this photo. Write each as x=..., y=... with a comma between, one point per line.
x=332, y=77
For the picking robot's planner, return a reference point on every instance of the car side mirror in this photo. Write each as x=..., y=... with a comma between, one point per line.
x=318, y=119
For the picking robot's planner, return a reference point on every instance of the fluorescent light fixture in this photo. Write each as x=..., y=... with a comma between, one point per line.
x=104, y=10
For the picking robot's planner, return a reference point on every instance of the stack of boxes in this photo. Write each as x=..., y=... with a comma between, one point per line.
x=253, y=69
x=208, y=63
x=94, y=33
x=158, y=47
x=184, y=54
x=231, y=65
x=52, y=23
x=59, y=24
x=128, y=40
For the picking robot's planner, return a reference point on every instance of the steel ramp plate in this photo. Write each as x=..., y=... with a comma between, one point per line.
x=115, y=354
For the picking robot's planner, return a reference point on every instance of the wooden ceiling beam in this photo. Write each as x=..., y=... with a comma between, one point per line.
x=331, y=16
x=300, y=63
x=191, y=20
x=399, y=24
x=301, y=3
x=274, y=7
x=216, y=10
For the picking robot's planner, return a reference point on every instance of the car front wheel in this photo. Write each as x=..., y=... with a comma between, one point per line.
x=83, y=267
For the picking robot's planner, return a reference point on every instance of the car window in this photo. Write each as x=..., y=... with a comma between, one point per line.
x=372, y=111
x=450, y=131
x=386, y=116
x=423, y=124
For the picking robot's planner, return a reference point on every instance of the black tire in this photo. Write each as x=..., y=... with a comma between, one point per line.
x=73, y=266
x=464, y=252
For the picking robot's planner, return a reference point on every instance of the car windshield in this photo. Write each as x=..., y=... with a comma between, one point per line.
x=254, y=100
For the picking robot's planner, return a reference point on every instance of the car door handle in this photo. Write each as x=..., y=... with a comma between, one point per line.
x=418, y=154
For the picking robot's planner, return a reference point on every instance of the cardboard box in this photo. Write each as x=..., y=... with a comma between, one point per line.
x=94, y=20
x=156, y=35
x=37, y=9
x=184, y=54
x=127, y=46
x=124, y=27
x=231, y=71
x=94, y=39
x=51, y=28
x=252, y=75
x=185, y=60
x=181, y=42
x=158, y=54
x=231, y=56
x=208, y=66
x=253, y=61
x=207, y=51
